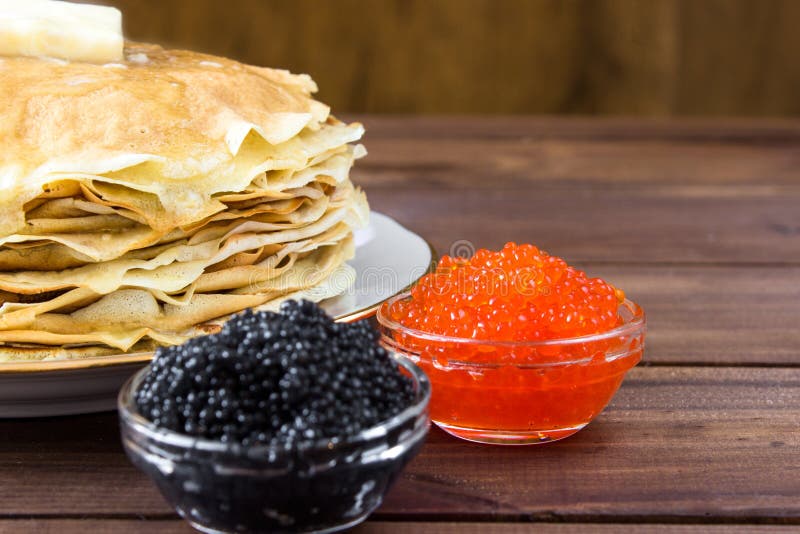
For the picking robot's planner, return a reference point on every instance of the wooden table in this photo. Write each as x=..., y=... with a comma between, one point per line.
x=699, y=221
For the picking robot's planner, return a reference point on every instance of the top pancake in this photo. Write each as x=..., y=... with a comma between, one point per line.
x=178, y=124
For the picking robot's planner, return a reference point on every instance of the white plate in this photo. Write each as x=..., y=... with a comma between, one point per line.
x=388, y=259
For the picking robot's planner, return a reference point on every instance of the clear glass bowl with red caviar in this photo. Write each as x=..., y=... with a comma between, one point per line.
x=520, y=347
x=519, y=392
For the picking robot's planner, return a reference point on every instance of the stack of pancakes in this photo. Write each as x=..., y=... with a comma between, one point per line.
x=143, y=202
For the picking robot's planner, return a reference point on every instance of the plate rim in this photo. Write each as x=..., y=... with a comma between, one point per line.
x=97, y=362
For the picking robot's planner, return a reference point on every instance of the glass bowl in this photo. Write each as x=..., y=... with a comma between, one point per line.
x=518, y=392
x=323, y=486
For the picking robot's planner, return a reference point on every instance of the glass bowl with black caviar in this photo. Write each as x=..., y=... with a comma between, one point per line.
x=222, y=476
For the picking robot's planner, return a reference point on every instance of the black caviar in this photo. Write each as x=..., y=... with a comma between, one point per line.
x=275, y=378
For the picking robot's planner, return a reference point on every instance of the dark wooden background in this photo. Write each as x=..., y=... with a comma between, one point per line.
x=632, y=57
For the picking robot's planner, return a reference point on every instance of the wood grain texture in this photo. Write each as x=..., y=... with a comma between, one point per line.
x=106, y=526
x=684, y=443
x=714, y=315
x=659, y=57
x=176, y=526
x=681, y=224
x=730, y=53
x=504, y=151
x=666, y=447
x=377, y=527
x=602, y=191
x=760, y=132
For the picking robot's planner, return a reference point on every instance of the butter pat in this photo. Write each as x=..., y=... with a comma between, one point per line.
x=74, y=32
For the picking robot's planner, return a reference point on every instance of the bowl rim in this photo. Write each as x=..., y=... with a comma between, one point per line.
x=636, y=325
x=130, y=417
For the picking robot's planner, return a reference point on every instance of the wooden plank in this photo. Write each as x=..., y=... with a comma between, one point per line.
x=667, y=448
x=399, y=163
x=113, y=526
x=718, y=70
x=543, y=164
x=714, y=315
x=534, y=153
x=359, y=68
x=680, y=224
x=761, y=131
x=520, y=56
x=615, y=77
x=95, y=526
x=377, y=527
x=664, y=194
x=676, y=444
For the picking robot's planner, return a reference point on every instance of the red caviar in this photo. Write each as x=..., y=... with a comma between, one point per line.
x=518, y=375
x=519, y=293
